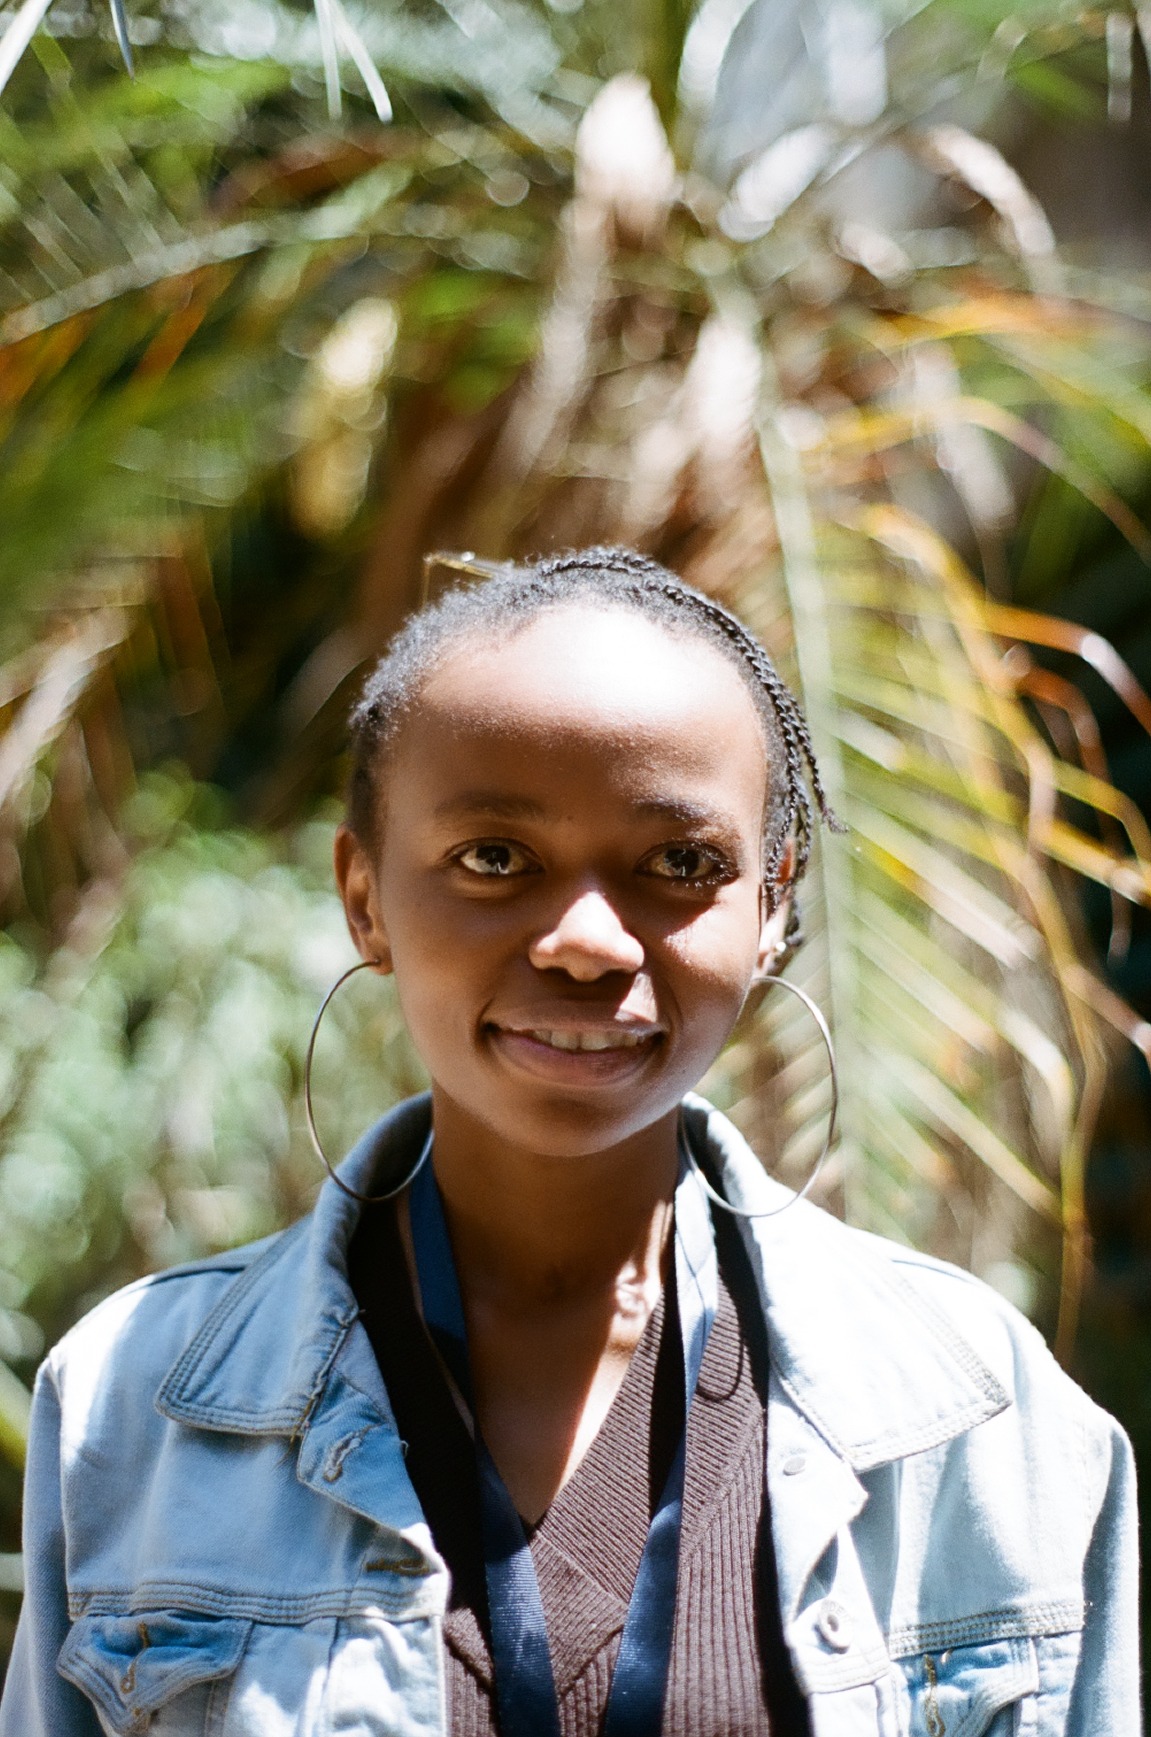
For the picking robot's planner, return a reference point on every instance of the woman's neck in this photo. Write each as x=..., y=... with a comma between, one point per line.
x=532, y=1232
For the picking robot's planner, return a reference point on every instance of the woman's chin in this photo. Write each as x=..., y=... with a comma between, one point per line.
x=571, y=1113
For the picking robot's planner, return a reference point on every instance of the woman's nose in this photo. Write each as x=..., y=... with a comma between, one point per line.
x=587, y=941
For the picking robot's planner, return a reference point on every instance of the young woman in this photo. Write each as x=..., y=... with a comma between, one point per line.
x=571, y=1428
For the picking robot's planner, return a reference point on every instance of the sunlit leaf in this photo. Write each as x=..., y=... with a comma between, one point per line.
x=18, y=33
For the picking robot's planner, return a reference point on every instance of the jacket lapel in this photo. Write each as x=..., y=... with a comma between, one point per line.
x=283, y=1353
x=862, y=1373
x=877, y=1371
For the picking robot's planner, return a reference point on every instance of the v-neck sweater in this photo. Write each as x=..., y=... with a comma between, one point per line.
x=730, y=1674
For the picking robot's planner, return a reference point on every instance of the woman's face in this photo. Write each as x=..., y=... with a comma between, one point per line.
x=567, y=880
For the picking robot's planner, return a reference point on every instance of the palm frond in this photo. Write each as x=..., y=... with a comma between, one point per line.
x=353, y=42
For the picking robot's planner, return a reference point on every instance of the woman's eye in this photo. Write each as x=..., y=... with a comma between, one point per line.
x=495, y=858
x=687, y=862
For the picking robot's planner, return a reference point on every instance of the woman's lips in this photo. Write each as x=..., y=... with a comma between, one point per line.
x=577, y=1055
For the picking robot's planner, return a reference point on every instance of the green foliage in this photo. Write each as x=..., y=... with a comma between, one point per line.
x=152, y=1075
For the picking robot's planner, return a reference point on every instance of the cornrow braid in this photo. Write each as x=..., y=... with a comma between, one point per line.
x=613, y=577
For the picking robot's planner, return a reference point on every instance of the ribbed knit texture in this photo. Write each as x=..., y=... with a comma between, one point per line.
x=730, y=1675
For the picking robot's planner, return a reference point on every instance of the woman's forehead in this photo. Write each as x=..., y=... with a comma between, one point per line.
x=579, y=708
x=608, y=667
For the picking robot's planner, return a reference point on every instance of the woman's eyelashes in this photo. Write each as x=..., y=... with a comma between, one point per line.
x=689, y=863
x=495, y=858
x=685, y=862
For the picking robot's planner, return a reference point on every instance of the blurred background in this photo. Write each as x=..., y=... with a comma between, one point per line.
x=840, y=307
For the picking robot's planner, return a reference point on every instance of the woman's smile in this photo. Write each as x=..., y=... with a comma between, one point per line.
x=583, y=1038
x=577, y=1055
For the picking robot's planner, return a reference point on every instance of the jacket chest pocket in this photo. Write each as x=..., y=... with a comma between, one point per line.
x=163, y=1673
x=974, y=1691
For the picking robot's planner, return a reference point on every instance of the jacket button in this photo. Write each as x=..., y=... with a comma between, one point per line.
x=797, y=1463
x=833, y=1626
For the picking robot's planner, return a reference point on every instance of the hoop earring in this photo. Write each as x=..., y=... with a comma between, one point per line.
x=354, y=1194
x=816, y=1013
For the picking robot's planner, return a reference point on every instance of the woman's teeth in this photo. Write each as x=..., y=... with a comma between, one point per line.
x=591, y=1039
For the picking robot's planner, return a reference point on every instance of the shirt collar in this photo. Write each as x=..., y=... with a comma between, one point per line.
x=878, y=1372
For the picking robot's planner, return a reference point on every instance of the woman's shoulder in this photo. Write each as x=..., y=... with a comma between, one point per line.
x=131, y=1338
x=863, y=1309
x=1030, y=1423
x=995, y=1328
x=238, y=1335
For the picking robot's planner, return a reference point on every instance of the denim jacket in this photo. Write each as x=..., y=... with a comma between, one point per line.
x=222, y=1538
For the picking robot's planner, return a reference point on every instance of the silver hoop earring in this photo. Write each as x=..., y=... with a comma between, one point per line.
x=354, y=1194
x=816, y=1013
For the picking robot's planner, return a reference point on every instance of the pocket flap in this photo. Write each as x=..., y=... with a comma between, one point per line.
x=131, y=1665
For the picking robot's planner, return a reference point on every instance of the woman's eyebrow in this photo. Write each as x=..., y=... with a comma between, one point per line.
x=494, y=802
x=684, y=813
x=504, y=805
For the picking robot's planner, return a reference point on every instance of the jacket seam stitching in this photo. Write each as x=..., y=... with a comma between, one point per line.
x=252, y=1608
x=1061, y=1617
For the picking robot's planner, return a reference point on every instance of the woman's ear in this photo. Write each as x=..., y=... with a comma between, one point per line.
x=357, y=884
x=774, y=920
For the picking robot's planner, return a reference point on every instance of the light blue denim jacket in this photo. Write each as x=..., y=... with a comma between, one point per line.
x=223, y=1541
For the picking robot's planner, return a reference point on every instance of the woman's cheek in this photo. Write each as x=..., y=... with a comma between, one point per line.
x=710, y=990
x=431, y=999
x=719, y=951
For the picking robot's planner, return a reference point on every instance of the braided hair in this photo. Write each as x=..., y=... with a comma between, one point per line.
x=612, y=577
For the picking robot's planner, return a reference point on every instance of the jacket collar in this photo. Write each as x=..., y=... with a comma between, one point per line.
x=262, y=1358
x=878, y=1373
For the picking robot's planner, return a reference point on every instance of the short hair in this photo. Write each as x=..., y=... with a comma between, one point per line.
x=616, y=578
